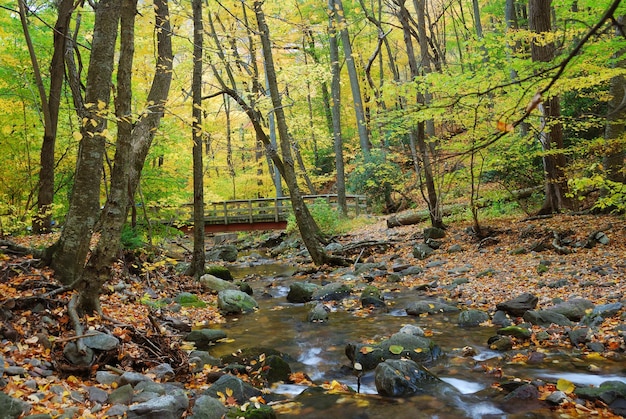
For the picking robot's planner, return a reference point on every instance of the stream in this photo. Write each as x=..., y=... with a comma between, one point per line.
x=319, y=351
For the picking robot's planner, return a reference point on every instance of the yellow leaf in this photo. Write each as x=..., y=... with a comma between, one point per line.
x=565, y=386
x=101, y=105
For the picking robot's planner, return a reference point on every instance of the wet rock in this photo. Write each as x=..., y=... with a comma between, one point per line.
x=201, y=358
x=397, y=378
x=372, y=296
x=519, y=305
x=212, y=283
x=606, y=310
x=15, y=370
x=422, y=251
x=370, y=268
x=11, y=407
x=332, y=291
x=579, y=336
x=226, y=252
x=301, y=292
x=546, y=318
x=415, y=308
x=203, y=338
x=221, y=272
x=608, y=392
x=101, y=341
x=233, y=301
x=523, y=392
x=410, y=329
x=207, y=407
x=500, y=343
x=245, y=287
x=515, y=331
x=275, y=369
x=241, y=391
x=573, y=309
x=121, y=395
x=318, y=314
x=472, y=318
x=171, y=406
x=501, y=319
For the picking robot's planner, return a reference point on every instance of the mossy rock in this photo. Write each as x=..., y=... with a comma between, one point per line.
x=187, y=299
x=221, y=272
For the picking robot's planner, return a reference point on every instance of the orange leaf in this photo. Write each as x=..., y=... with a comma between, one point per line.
x=504, y=127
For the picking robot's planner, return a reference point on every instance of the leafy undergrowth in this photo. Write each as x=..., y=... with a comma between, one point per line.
x=35, y=329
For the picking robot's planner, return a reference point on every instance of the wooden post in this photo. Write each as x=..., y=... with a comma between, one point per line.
x=225, y=212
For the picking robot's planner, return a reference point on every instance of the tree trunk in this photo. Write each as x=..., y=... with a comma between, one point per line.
x=133, y=142
x=309, y=230
x=335, y=91
x=198, y=259
x=613, y=161
x=338, y=12
x=50, y=109
x=551, y=136
x=418, y=134
x=70, y=251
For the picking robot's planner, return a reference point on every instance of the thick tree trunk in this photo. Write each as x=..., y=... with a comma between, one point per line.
x=551, y=137
x=198, y=259
x=133, y=142
x=71, y=249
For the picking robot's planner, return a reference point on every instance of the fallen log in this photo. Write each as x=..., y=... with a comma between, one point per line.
x=420, y=216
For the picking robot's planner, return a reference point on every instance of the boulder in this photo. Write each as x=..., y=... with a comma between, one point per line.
x=332, y=291
x=472, y=318
x=574, y=309
x=275, y=369
x=400, y=377
x=422, y=251
x=434, y=233
x=101, y=341
x=241, y=391
x=226, y=252
x=519, y=305
x=515, y=331
x=301, y=292
x=11, y=407
x=214, y=284
x=171, y=406
x=233, y=301
x=207, y=407
x=545, y=318
x=203, y=338
x=318, y=314
x=372, y=296
x=221, y=272
x=415, y=308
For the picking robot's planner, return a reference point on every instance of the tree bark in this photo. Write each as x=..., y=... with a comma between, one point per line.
x=309, y=230
x=551, y=136
x=335, y=94
x=613, y=161
x=338, y=12
x=50, y=109
x=70, y=251
x=133, y=142
x=198, y=258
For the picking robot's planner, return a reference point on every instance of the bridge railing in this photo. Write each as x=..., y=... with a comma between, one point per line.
x=250, y=211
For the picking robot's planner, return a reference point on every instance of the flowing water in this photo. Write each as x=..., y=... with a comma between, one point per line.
x=319, y=351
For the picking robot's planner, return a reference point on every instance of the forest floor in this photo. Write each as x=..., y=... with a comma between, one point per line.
x=34, y=329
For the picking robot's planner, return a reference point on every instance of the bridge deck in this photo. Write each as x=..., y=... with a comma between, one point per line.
x=264, y=213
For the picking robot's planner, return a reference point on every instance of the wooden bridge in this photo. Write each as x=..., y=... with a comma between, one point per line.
x=264, y=213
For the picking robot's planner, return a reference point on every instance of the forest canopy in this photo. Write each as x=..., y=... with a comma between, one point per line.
x=459, y=100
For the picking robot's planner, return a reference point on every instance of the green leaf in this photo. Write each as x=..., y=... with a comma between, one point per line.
x=396, y=349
